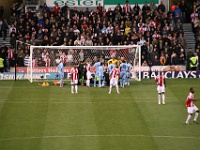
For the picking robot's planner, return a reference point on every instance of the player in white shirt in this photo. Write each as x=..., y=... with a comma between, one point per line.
x=191, y=108
x=114, y=76
x=161, y=84
x=74, y=79
x=88, y=73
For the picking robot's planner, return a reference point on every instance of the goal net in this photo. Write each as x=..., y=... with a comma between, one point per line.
x=44, y=59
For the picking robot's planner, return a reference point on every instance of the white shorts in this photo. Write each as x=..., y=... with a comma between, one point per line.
x=161, y=89
x=192, y=110
x=88, y=74
x=113, y=81
x=74, y=82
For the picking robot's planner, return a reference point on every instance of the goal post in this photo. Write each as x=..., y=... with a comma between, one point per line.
x=44, y=59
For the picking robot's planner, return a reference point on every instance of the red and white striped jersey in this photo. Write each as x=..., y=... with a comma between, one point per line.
x=47, y=62
x=160, y=80
x=127, y=8
x=157, y=36
x=88, y=67
x=35, y=63
x=74, y=73
x=114, y=73
x=189, y=103
x=63, y=57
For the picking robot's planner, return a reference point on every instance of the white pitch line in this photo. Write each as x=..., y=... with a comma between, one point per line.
x=114, y=135
x=101, y=102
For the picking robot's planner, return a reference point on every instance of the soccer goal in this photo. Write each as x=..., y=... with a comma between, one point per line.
x=44, y=59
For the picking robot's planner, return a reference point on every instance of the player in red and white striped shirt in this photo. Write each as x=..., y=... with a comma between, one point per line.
x=114, y=76
x=161, y=84
x=191, y=108
x=74, y=79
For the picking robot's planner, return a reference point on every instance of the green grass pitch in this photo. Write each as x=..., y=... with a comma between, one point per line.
x=33, y=117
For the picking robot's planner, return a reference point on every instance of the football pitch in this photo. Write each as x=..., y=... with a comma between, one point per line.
x=33, y=117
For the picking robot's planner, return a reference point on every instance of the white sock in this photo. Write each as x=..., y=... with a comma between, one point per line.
x=110, y=88
x=163, y=98
x=159, y=98
x=196, y=116
x=188, y=118
x=88, y=82
x=117, y=88
x=76, y=88
x=72, y=88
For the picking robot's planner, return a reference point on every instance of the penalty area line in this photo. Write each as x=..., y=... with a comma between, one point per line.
x=78, y=102
x=93, y=135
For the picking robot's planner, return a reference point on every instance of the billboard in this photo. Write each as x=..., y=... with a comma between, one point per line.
x=94, y=3
x=75, y=3
x=51, y=72
x=53, y=75
x=131, y=2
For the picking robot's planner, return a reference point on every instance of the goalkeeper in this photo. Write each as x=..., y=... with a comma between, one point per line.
x=60, y=69
x=113, y=60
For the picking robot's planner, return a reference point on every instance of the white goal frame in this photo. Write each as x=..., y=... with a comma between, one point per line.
x=138, y=51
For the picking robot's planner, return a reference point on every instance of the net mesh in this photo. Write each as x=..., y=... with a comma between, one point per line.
x=49, y=56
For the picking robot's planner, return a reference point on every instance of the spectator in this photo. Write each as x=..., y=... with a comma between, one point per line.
x=56, y=9
x=64, y=9
x=183, y=8
x=127, y=7
x=11, y=57
x=161, y=7
x=162, y=59
x=153, y=6
x=156, y=61
x=174, y=59
x=4, y=55
x=136, y=9
x=1, y=64
x=3, y=29
x=145, y=8
x=1, y=11
x=194, y=62
x=26, y=60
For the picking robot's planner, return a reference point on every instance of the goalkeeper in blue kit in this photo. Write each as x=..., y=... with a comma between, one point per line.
x=60, y=69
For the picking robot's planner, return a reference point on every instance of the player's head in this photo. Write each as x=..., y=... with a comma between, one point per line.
x=61, y=61
x=113, y=56
x=192, y=90
x=75, y=66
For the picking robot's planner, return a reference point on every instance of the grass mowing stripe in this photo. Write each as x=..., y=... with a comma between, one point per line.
x=21, y=120
x=121, y=119
x=4, y=94
x=93, y=135
x=169, y=119
x=70, y=119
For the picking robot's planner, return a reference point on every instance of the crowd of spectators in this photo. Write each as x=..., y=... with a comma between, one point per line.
x=158, y=31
